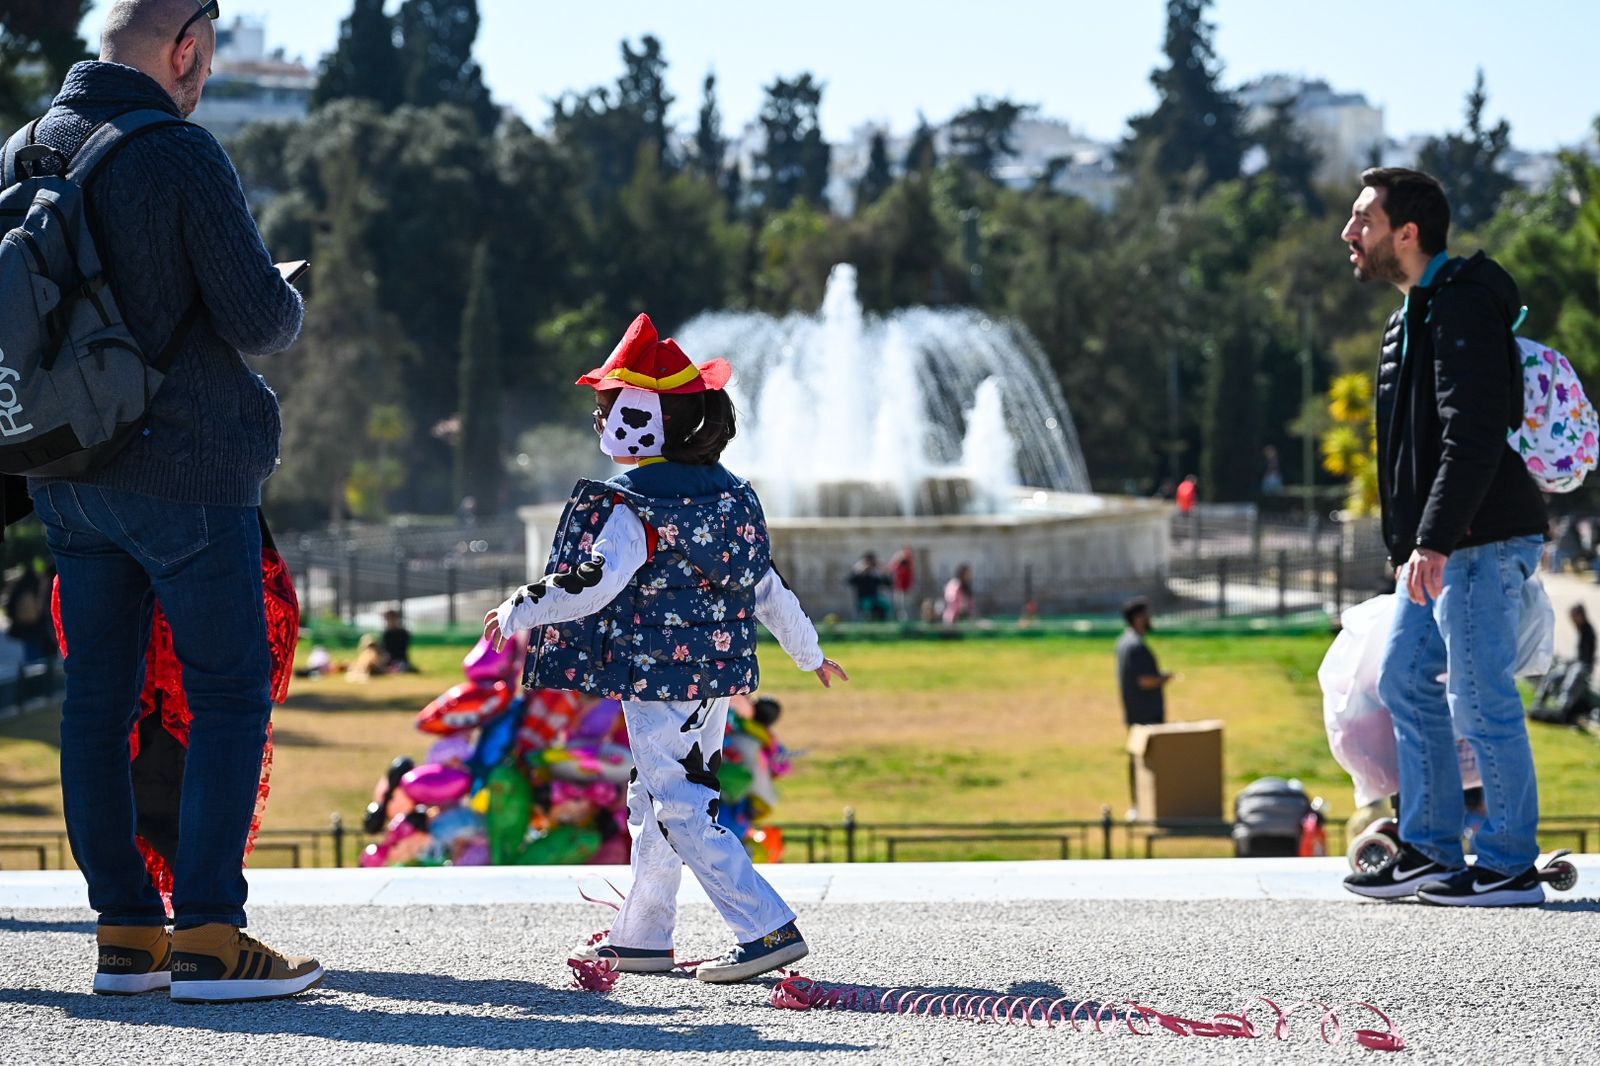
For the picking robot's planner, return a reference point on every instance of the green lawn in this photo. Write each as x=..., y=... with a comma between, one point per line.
x=958, y=730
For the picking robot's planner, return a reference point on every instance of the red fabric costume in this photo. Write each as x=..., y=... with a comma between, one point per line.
x=160, y=736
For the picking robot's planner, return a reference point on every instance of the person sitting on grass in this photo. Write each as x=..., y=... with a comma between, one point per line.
x=397, y=644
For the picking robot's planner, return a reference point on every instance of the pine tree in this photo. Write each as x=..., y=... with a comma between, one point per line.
x=436, y=64
x=922, y=155
x=984, y=134
x=1468, y=164
x=710, y=146
x=642, y=92
x=878, y=177
x=1291, y=157
x=607, y=128
x=479, y=473
x=366, y=63
x=1193, y=136
x=793, y=164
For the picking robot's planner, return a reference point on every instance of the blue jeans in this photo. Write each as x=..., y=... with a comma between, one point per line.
x=117, y=554
x=1469, y=633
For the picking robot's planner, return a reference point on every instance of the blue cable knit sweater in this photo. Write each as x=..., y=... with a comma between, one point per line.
x=172, y=223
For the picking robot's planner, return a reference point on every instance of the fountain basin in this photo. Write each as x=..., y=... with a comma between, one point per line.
x=1065, y=551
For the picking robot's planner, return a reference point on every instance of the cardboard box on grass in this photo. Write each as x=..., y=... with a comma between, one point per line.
x=1177, y=770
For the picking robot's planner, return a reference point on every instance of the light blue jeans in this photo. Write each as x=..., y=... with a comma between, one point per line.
x=1469, y=633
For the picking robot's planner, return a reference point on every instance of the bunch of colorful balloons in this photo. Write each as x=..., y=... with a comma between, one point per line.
x=515, y=779
x=752, y=762
x=541, y=777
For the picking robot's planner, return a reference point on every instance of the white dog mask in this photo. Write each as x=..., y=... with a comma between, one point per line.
x=634, y=429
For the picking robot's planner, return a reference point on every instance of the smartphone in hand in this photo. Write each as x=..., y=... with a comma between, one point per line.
x=293, y=272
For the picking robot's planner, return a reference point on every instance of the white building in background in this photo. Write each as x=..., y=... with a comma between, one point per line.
x=1081, y=167
x=1345, y=129
x=250, y=85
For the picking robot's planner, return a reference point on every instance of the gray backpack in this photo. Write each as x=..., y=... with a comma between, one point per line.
x=74, y=384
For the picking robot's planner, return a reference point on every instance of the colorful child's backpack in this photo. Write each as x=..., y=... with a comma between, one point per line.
x=1559, y=438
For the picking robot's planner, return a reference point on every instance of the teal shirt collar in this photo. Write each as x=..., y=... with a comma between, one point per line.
x=1434, y=266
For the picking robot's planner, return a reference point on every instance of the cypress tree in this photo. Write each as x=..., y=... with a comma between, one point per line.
x=478, y=465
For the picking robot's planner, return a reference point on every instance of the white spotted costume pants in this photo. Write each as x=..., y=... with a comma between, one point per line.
x=672, y=803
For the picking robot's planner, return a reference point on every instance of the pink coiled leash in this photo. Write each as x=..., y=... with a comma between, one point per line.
x=796, y=992
x=598, y=975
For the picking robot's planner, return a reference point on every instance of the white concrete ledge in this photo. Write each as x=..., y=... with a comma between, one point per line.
x=948, y=882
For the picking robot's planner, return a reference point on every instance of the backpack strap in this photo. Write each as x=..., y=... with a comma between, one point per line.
x=110, y=137
x=18, y=141
x=163, y=360
x=98, y=149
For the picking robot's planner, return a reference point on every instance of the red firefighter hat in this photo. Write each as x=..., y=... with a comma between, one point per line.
x=642, y=360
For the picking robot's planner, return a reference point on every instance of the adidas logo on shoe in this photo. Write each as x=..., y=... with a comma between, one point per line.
x=132, y=959
x=220, y=964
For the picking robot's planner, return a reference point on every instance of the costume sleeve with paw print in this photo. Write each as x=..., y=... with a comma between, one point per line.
x=778, y=608
x=618, y=553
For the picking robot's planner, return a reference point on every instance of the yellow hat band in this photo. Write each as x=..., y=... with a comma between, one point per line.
x=642, y=381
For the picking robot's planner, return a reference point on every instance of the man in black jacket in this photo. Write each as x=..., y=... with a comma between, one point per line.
x=1463, y=522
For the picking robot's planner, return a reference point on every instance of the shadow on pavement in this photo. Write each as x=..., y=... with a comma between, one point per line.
x=1572, y=906
x=65, y=925
x=456, y=991
x=556, y=1019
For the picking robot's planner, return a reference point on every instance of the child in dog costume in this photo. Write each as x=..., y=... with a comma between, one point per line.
x=653, y=590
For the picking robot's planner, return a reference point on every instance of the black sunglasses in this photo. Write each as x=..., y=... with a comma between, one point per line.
x=212, y=10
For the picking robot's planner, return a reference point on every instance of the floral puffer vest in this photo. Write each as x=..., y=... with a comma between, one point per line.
x=684, y=628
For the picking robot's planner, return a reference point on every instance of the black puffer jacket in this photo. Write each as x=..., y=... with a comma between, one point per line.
x=1446, y=478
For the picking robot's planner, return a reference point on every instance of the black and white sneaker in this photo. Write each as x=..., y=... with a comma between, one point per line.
x=1480, y=887
x=778, y=948
x=1400, y=878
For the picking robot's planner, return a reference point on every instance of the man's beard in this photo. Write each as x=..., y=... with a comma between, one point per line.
x=1382, y=263
x=187, y=92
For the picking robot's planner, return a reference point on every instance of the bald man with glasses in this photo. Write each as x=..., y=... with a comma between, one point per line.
x=172, y=516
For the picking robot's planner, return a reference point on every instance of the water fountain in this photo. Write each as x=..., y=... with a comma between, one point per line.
x=939, y=430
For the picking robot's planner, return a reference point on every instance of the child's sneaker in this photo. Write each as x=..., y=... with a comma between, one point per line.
x=1479, y=887
x=778, y=948
x=1400, y=878
x=133, y=959
x=221, y=964
x=626, y=960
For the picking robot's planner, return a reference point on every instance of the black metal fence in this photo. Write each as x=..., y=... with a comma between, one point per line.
x=275, y=848
x=850, y=840
x=1225, y=562
x=435, y=575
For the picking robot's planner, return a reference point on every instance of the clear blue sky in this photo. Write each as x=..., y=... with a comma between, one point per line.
x=1081, y=61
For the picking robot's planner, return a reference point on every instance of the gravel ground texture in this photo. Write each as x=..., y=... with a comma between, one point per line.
x=488, y=984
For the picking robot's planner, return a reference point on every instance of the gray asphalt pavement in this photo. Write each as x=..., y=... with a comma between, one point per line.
x=444, y=984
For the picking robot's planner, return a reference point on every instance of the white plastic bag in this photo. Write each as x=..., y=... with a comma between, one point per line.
x=1536, y=639
x=1360, y=729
